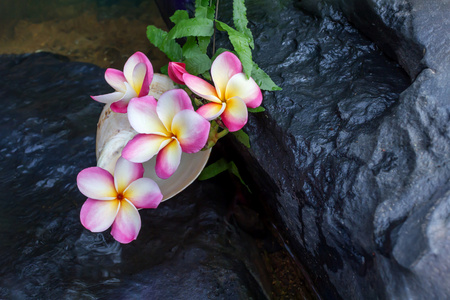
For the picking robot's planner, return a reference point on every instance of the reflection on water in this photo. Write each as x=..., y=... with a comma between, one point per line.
x=103, y=32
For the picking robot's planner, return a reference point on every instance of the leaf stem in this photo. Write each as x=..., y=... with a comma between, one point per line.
x=214, y=36
x=215, y=135
x=222, y=134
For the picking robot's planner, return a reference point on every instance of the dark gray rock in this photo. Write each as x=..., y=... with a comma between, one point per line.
x=352, y=155
x=187, y=248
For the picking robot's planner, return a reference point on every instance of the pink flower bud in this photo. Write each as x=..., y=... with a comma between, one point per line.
x=176, y=71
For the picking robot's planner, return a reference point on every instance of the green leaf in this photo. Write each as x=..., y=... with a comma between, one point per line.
x=198, y=64
x=214, y=169
x=242, y=48
x=220, y=166
x=211, y=14
x=203, y=43
x=179, y=15
x=240, y=20
x=256, y=110
x=192, y=27
x=241, y=44
x=242, y=137
x=196, y=61
x=190, y=48
x=206, y=75
x=156, y=36
x=204, y=10
x=200, y=3
x=159, y=38
x=263, y=80
x=201, y=12
x=234, y=170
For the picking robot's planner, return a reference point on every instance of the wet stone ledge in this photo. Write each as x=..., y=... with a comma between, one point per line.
x=352, y=155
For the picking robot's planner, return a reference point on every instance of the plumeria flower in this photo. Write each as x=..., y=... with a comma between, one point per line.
x=115, y=200
x=176, y=71
x=133, y=82
x=165, y=128
x=231, y=94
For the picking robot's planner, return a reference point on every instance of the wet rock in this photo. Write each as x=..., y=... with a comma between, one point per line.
x=186, y=248
x=352, y=155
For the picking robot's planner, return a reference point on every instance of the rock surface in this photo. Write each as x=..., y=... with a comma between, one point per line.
x=186, y=248
x=353, y=154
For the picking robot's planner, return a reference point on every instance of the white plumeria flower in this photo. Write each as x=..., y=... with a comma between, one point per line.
x=115, y=200
x=133, y=82
x=230, y=96
x=165, y=128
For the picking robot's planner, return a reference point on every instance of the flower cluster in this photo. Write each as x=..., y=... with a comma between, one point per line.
x=165, y=128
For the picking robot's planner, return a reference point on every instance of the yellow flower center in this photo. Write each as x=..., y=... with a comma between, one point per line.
x=137, y=89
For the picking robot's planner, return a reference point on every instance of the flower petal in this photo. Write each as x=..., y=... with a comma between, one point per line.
x=128, y=70
x=168, y=160
x=143, y=117
x=108, y=98
x=139, y=72
x=125, y=173
x=127, y=224
x=144, y=193
x=246, y=89
x=130, y=93
x=212, y=110
x=98, y=215
x=235, y=115
x=143, y=147
x=176, y=71
x=115, y=79
x=170, y=103
x=223, y=68
x=120, y=107
x=96, y=183
x=201, y=87
x=191, y=130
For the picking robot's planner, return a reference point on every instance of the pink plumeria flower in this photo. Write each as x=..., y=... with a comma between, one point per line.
x=115, y=200
x=133, y=82
x=231, y=94
x=165, y=128
x=176, y=71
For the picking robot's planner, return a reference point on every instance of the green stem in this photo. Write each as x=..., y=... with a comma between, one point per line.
x=214, y=37
x=222, y=134
x=215, y=134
